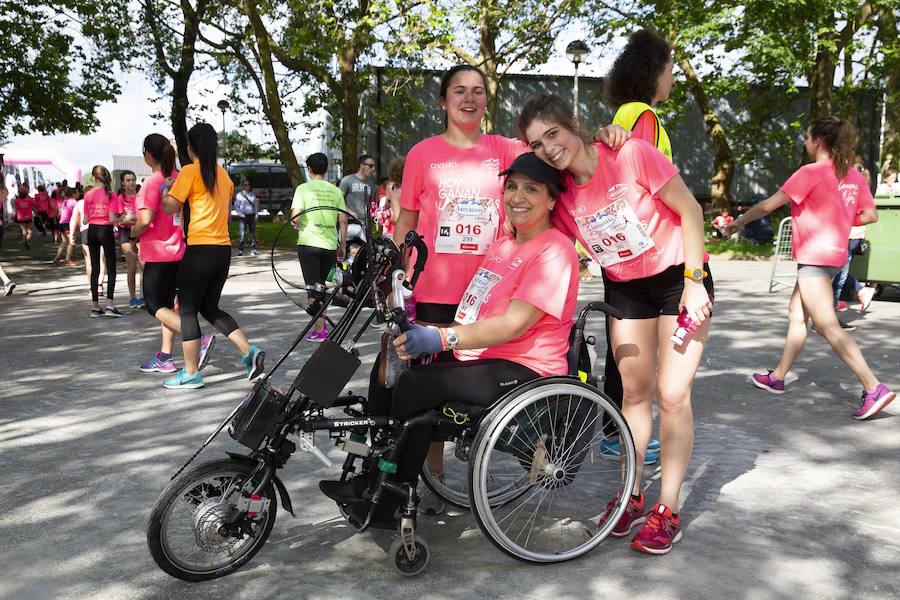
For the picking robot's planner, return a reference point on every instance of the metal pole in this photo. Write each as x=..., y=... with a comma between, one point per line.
x=575, y=92
x=224, y=139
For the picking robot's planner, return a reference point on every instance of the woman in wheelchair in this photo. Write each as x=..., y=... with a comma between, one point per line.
x=512, y=326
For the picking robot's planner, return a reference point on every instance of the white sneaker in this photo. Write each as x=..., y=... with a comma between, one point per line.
x=865, y=296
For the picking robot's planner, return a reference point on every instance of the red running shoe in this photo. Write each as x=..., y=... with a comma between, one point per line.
x=631, y=518
x=661, y=530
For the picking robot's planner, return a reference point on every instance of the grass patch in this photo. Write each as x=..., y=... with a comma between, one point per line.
x=265, y=234
x=740, y=250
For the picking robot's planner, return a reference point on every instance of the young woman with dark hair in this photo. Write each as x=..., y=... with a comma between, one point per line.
x=66, y=210
x=124, y=207
x=205, y=190
x=827, y=198
x=161, y=250
x=640, y=78
x=99, y=216
x=23, y=204
x=632, y=211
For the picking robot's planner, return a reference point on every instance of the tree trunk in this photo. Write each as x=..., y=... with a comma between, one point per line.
x=487, y=46
x=723, y=163
x=179, y=114
x=822, y=81
x=348, y=100
x=272, y=105
x=887, y=32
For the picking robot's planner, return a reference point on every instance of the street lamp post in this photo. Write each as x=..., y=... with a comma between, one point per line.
x=223, y=106
x=575, y=52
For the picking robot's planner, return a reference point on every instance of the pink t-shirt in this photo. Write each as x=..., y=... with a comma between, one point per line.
x=66, y=209
x=123, y=204
x=823, y=209
x=542, y=272
x=618, y=215
x=41, y=202
x=163, y=240
x=97, y=205
x=722, y=221
x=459, y=196
x=24, y=208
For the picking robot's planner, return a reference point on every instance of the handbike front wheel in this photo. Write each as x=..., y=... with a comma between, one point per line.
x=186, y=532
x=552, y=430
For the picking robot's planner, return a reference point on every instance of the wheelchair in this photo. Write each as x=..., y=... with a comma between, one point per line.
x=529, y=466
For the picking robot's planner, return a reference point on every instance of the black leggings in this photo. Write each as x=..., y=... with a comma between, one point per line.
x=423, y=387
x=315, y=263
x=201, y=277
x=160, y=285
x=101, y=236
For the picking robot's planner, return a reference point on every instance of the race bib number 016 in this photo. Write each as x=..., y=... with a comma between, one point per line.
x=614, y=234
x=477, y=292
x=467, y=225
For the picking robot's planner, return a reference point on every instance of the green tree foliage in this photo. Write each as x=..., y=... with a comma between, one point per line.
x=56, y=66
x=236, y=146
x=499, y=35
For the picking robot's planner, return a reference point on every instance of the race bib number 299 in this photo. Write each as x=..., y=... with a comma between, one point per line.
x=467, y=225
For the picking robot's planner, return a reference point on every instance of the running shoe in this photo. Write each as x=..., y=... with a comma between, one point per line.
x=317, y=337
x=429, y=503
x=207, y=342
x=141, y=303
x=133, y=303
x=71, y=263
x=841, y=306
x=57, y=260
x=97, y=312
x=183, y=381
x=765, y=381
x=846, y=326
x=610, y=449
x=865, y=296
x=254, y=252
x=661, y=530
x=112, y=312
x=158, y=364
x=254, y=362
x=632, y=517
x=8, y=288
x=873, y=402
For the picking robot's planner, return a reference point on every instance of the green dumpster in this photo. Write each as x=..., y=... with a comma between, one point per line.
x=881, y=264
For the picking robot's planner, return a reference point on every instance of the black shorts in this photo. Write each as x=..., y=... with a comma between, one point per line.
x=160, y=285
x=315, y=263
x=650, y=297
x=439, y=314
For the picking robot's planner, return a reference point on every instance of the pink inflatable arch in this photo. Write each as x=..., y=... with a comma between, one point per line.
x=36, y=157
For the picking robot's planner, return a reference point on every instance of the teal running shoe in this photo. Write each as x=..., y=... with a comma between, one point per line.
x=255, y=362
x=183, y=381
x=610, y=450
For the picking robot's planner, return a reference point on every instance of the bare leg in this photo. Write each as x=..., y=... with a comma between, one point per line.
x=796, y=334
x=634, y=347
x=677, y=368
x=168, y=340
x=238, y=338
x=826, y=322
x=131, y=265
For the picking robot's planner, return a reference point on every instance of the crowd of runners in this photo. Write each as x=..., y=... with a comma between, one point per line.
x=501, y=218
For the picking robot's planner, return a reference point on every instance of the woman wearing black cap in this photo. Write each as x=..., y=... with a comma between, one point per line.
x=512, y=324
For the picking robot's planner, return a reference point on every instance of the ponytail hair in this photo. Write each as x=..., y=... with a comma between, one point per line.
x=204, y=141
x=101, y=174
x=839, y=137
x=160, y=148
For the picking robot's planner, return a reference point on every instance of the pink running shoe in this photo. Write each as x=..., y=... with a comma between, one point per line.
x=874, y=402
x=317, y=337
x=661, y=530
x=631, y=518
x=768, y=383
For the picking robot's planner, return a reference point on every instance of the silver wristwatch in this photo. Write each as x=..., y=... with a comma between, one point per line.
x=452, y=338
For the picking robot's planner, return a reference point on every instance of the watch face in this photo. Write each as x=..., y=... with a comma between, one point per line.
x=697, y=274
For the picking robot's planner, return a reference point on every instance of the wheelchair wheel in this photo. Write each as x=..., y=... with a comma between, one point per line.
x=454, y=488
x=550, y=429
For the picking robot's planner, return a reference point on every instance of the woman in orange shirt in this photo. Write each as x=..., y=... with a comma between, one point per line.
x=204, y=189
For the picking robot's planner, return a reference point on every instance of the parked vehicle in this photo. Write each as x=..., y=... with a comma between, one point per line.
x=270, y=183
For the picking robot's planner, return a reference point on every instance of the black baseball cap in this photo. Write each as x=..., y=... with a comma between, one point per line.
x=529, y=164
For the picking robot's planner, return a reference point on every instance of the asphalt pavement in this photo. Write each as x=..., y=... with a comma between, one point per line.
x=785, y=497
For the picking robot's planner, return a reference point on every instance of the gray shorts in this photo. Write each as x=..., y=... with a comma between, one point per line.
x=817, y=271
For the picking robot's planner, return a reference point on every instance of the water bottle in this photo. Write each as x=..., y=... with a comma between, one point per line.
x=686, y=326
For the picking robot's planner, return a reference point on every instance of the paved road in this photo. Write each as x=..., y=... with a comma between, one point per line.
x=786, y=497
